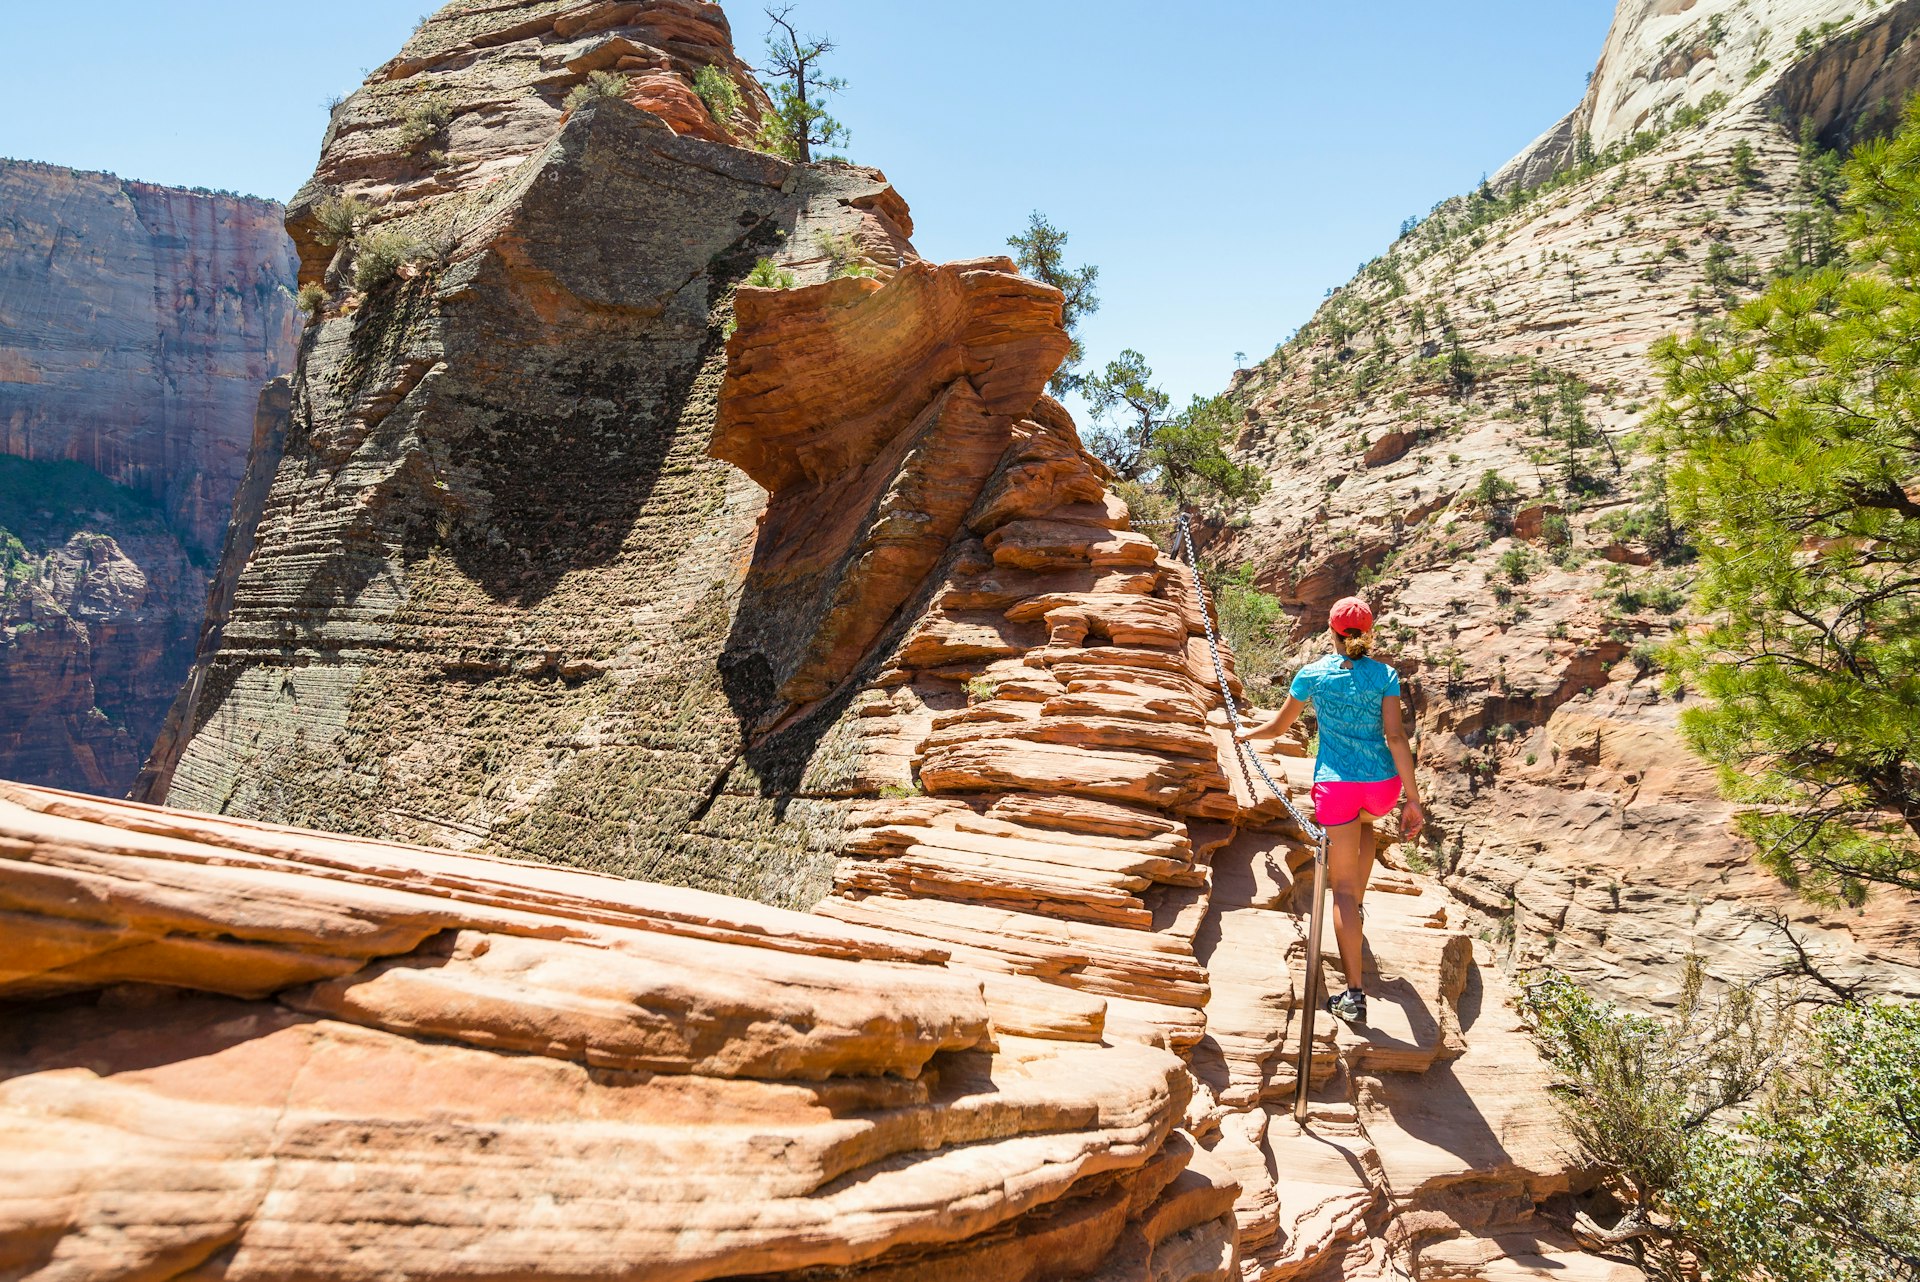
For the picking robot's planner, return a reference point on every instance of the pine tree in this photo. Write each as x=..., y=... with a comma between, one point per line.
x=1040, y=251
x=799, y=121
x=1792, y=436
x=1182, y=453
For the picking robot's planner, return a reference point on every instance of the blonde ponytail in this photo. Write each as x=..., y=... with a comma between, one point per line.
x=1357, y=646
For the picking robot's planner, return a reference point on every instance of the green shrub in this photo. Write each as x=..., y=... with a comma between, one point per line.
x=379, y=255
x=767, y=274
x=339, y=218
x=717, y=90
x=1664, y=598
x=1555, y=530
x=982, y=688
x=1494, y=490
x=1148, y=507
x=1516, y=564
x=597, y=85
x=311, y=298
x=1251, y=625
x=424, y=121
x=1740, y=1137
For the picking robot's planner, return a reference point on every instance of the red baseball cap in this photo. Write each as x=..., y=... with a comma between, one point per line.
x=1350, y=617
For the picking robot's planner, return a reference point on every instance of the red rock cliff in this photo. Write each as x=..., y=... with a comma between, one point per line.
x=137, y=325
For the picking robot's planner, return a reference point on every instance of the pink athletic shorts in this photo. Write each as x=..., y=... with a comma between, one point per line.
x=1336, y=803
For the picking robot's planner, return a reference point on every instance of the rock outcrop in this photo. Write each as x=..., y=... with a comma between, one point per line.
x=1417, y=435
x=137, y=324
x=262, y=1054
x=1846, y=66
x=585, y=551
x=496, y=570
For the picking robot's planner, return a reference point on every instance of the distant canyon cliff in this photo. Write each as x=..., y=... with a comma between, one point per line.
x=138, y=325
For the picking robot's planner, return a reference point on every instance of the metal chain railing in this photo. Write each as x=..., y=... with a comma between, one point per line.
x=1244, y=754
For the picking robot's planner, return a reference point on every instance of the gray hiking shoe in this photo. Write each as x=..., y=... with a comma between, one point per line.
x=1350, y=1006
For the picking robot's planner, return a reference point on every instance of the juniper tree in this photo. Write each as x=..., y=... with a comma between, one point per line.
x=1792, y=437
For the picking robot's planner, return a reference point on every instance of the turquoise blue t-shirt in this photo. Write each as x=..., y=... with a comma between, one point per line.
x=1346, y=702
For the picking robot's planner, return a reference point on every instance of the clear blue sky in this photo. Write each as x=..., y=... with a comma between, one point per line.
x=1224, y=163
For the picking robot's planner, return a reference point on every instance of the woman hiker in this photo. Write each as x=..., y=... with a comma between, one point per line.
x=1363, y=768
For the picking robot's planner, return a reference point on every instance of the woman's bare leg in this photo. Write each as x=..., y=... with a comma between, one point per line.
x=1349, y=864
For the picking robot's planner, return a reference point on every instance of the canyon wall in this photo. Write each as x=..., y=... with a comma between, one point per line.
x=137, y=325
x=1529, y=607
x=649, y=506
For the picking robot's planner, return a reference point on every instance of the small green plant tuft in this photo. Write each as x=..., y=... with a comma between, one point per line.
x=311, y=298
x=767, y=274
x=380, y=254
x=843, y=254
x=982, y=688
x=597, y=85
x=1516, y=564
x=425, y=120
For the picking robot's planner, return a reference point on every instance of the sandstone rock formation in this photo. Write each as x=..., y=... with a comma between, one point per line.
x=1846, y=65
x=258, y=1053
x=140, y=324
x=137, y=324
x=1572, y=818
x=496, y=570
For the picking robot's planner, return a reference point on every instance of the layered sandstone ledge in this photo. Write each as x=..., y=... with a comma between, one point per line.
x=266, y=1053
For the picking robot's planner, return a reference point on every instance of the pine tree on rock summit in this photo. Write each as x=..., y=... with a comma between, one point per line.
x=799, y=121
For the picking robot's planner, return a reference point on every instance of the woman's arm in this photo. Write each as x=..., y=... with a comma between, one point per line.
x=1412, y=817
x=1276, y=725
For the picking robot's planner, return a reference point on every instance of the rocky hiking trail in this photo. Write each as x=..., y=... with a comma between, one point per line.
x=256, y=1019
